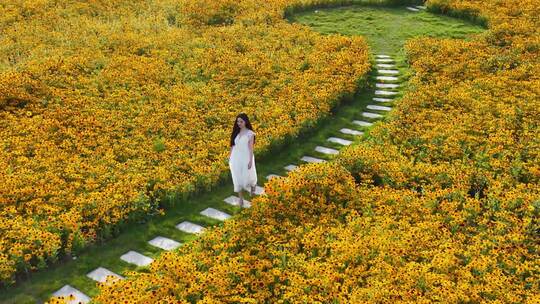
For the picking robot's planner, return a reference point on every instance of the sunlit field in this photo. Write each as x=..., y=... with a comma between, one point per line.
x=115, y=118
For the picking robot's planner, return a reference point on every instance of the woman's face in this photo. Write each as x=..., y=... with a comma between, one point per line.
x=240, y=122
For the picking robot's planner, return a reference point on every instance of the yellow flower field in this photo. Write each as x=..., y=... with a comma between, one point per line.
x=440, y=204
x=103, y=104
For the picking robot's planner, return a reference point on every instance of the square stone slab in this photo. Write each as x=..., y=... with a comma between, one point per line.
x=412, y=9
x=215, y=214
x=259, y=190
x=387, y=85
x=270, y=176
x=234, y=200
x=362, y=123
x=394, y=72
x=68, y=290
x=379, y=108
x=384, y=60
x=310, y=159
x=100, y=274
x=164, y=243
x=291, y=167
x=386, y=65
x=326, y=150
x=371, y=115
x=377, y=99
x=340, y=141
x=387, y=78
x=136, y=258
x=382, y=56
x=351, y=132
x=190, y=227
x=385, y=93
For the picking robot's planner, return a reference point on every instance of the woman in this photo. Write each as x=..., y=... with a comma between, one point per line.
x=241, y=158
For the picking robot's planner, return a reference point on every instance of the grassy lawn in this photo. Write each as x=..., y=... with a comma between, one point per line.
x=386, y=29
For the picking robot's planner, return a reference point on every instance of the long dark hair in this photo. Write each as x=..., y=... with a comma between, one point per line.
x=236, y=128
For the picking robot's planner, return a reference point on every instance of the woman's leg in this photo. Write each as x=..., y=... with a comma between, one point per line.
x=241, y=196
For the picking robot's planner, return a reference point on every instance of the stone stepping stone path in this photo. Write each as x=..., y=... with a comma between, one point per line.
x=393, y=72
x=190, y=227
x=215, y=214
x=100, y=274
x=270, y=176
x=164, y=243
x=291, y=167
x=362, y=123
x=340, y=141
x=378, y=108
x=133, y=257
x=387, y=78
x=351, y=132
x=310, y=159
x=378, y=99
x=422, y=7
x=385, y=93
x=371, y=115
x=387, y=85
x=384, y=60
x=412, y=9
x=326, y=150
x=67, y=291
x=234, y=201
x=382, y=56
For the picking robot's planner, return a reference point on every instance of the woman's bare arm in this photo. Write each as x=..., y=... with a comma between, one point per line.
x=251, y=143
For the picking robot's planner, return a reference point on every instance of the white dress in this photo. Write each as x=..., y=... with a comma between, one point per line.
x=243, y=178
